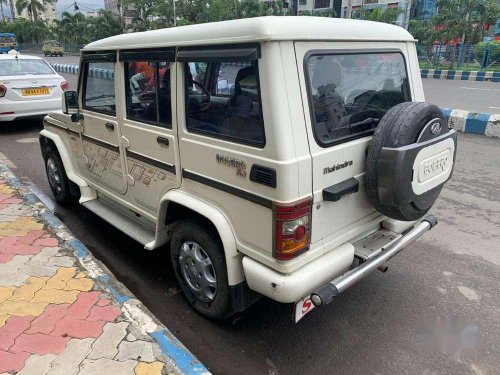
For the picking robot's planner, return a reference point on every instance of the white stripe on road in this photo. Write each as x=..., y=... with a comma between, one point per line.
x=494, y=107
x=477, y=88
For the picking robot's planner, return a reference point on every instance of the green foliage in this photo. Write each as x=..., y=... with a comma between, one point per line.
x=457, y=17
x=494, y=46
x=33, y=7
x=389, y=15
x=423, y=31
x=26, y=31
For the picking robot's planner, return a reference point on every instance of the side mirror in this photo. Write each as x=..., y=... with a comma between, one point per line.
x=70, y=102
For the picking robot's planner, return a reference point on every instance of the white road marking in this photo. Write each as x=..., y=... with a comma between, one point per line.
x=494, y=107
x=27, y=140
x=477, y=88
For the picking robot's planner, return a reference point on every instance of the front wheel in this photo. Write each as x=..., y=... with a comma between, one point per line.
x=200, y=268
x=59, y=182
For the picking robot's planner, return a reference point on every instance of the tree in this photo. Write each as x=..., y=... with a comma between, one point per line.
x=2, y=2
x=25, y=30
x=33, y=7
x=389, y=15
x=464, y=17
x=423, y=31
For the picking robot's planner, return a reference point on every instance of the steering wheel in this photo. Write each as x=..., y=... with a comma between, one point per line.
x=205, y=102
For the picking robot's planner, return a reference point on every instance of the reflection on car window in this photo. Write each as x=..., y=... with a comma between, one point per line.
x=148, y=92
x=350, y=93
x=24, y=67
x=99, y=88
x=223, y=101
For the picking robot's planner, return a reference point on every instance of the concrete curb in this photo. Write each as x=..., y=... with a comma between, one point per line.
x=93, y=72
x=460, y=75
x=170, y=346
x=475, y=123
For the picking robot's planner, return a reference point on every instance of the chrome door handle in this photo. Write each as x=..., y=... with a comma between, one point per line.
x=110, y=126
x=163, y=141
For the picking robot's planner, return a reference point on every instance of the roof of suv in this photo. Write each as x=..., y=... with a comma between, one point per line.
x=258, y=29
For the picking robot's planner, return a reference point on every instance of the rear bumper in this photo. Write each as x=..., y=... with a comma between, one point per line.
x=321, y=276
x=11, y=110
x=328, y=292
x=289, y=288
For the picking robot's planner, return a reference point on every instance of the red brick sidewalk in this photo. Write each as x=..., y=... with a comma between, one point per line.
x=57, y=318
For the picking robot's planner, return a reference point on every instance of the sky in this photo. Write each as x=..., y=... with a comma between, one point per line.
x=67, y=5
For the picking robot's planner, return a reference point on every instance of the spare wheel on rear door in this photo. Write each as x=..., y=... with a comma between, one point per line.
x=409, y=159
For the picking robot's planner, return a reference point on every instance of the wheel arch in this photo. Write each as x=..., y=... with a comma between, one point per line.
x=178, y=205
x=50, y=139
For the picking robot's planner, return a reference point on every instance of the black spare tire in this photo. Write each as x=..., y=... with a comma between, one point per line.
x=402, y=125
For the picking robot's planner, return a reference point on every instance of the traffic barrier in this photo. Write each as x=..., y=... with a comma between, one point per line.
x=471, y=122
x=460, y=75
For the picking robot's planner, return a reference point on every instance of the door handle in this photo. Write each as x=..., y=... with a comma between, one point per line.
x=163, y=141
x=335, y=192
x=110, y=126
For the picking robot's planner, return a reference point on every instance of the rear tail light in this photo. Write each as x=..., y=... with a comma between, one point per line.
x=64, y=85
x=3, y=90
x=292, y=229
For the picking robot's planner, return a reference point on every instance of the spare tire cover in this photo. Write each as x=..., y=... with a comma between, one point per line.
x=402, y=125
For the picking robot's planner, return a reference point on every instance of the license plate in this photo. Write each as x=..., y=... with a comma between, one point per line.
x=39, y=91
x=303, y=307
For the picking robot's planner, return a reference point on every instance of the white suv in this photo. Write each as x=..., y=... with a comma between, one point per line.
x=278, y=156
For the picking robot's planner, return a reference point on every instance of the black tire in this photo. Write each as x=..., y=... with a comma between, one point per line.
x=198, y=231
x=400, y=126
x=64, y=190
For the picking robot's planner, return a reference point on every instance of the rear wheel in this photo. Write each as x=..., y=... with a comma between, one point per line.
x=62, y=188
x=200, y=268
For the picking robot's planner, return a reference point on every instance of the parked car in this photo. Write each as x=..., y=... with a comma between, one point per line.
x=52, y=48
x=285, y=157
x=29, y=87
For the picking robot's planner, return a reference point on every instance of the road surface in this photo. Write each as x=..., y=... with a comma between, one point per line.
x=371, y=329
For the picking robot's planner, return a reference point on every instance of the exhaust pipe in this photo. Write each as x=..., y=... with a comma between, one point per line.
x=328, y=292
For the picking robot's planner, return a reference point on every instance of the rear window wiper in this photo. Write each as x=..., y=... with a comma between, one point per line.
x=366, y=121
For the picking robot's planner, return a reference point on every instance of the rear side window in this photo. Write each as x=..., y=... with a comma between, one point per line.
x=99, y=87
x=223, y=101
x=349, y=93
x=148, y=92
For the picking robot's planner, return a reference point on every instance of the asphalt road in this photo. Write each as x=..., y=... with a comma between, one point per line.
x=371, y=329
x=467, y=95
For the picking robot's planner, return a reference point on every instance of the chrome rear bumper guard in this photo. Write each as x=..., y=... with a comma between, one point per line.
x=328, y=292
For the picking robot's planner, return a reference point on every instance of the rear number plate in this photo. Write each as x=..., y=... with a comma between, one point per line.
x=32, y=92
x=303, y=307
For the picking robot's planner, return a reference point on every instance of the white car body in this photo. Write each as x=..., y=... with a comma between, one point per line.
x=16, y=104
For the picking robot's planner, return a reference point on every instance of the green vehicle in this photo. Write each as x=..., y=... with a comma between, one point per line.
x=52, y=48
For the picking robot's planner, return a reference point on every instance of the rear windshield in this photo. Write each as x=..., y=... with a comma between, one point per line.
x=349, y=93
x=23, y=67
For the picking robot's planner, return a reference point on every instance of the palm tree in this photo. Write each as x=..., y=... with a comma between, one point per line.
x=33, y=7
x=1, y=8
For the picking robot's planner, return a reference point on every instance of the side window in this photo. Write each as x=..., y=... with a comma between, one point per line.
x=223, y=101
x=148, y=92
x=99, y=87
